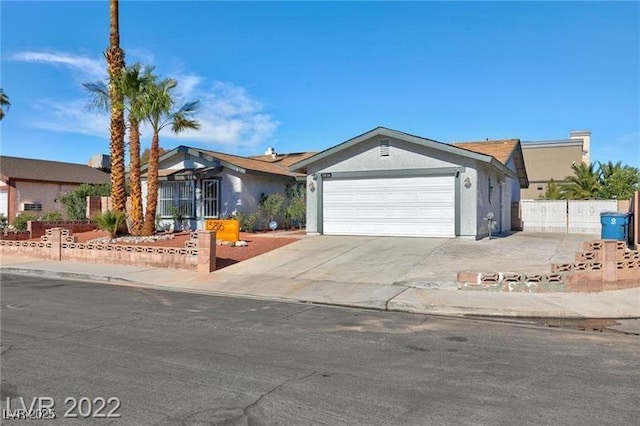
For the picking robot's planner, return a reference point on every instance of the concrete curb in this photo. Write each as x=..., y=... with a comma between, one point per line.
x=67, y=275
x=397, y=303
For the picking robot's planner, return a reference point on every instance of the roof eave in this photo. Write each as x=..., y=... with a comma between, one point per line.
x=383, y=131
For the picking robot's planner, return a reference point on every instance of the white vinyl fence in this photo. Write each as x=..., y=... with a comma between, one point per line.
x=573, y=216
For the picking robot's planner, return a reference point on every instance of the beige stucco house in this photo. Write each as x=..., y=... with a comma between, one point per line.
x=552, y=159
x=35, y=186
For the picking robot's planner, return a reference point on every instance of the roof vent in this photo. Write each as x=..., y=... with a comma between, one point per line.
x=384, y=147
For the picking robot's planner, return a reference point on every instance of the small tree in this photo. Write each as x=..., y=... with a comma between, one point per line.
x=271, y=207
x=617, y=181
x=297, y=210
x=75, y=202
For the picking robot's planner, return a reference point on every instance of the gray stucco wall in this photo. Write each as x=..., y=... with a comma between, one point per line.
x=365, y=156
x=238, y=191
x=505, y=190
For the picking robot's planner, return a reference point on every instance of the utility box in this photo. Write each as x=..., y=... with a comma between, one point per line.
x=615, y=226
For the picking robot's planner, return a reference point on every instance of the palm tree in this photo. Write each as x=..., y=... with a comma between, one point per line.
x=131, y=83
x=158, y=113
x=4, y=102
x=584, y=184
x=553, y=192
x=115, y=63
x=608, y=169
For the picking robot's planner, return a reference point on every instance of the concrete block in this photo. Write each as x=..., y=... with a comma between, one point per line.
x=561, y=267
x=468, y=277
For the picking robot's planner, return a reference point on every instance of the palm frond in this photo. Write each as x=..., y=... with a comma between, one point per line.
x=99, y=95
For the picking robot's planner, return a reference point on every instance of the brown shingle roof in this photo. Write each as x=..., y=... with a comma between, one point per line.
x=501, y=150
x=51, y=171
x=264, y=163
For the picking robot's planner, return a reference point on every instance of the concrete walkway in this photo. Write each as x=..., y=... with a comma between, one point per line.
x=395, y=274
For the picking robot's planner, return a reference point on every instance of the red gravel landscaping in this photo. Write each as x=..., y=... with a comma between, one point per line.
x=258, y=243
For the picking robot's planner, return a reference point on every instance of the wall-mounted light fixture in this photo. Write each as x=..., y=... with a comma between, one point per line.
x=467, y=182
x=312, y=187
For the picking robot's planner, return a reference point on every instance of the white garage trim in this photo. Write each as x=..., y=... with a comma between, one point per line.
x=412, y=206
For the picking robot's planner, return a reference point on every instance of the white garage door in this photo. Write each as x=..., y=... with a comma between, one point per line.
x=407, y=206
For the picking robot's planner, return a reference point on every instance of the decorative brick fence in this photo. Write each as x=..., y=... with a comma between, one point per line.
x=59, y=244
x=15, y=235
x=37, y=228
x=602, y=265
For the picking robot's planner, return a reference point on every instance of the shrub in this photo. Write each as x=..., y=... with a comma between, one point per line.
x=20, y=222
x=113, y=222
x=75, y=202
x=271, y=207
x=51, y=216
x=3, y=221
x=248, y=221
x=297, y=211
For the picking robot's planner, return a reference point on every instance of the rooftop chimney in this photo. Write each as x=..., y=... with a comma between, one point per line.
x=101, y=162
x=270, y=151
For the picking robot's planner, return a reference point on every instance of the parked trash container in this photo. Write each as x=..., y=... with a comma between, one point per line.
x=615, y=226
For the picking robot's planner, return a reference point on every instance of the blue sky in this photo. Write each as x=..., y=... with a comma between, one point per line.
x=304, y=76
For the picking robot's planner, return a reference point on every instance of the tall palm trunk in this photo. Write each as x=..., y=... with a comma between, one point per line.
x=136, y=214
x=115, y=63
x=153, y=185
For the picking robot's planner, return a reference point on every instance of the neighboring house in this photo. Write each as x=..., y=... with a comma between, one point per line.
x=546, y=160
x=209, y=185
x=385, y=182
x=36, y=186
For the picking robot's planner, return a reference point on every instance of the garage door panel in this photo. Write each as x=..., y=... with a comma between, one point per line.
x=416, y=206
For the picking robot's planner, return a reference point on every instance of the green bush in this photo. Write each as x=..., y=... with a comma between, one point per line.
x=3, y=221
x=297, y=211
x=51, y=217
x=271, y=207
x=20, y=222
x=75, y=202
x=247, y=221
x=114, y=222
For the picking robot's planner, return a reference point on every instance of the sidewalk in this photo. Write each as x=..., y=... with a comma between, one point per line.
x=394, y=297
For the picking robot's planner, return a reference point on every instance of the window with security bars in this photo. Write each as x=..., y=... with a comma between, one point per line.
x=179, y=194
x=210, y=190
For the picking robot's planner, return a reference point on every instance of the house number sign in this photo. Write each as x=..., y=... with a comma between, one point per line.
x=226, y=230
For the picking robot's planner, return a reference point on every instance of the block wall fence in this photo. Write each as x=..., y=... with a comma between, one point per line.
x=601, y=265
x=59, y=244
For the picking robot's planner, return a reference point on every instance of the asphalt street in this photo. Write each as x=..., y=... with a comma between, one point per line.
x=175, y=358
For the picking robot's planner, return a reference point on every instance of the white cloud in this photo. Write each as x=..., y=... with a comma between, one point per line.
x=229, y=116
x=70, y=117
x=88, y=68
x=187, y=85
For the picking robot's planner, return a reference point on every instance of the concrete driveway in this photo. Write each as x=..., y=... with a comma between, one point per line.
x=412, y=262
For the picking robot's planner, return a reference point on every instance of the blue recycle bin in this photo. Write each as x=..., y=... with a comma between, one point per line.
x=615, y=226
